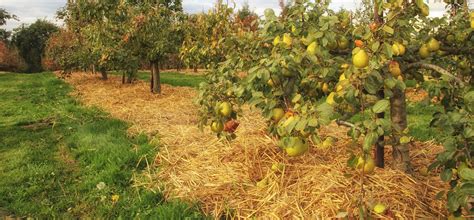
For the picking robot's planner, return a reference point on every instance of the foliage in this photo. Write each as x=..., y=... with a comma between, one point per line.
x=5, y=15
x=300, y=64
x=64, y=51
x=62, y=160
x=10, y=59
x=31, y=41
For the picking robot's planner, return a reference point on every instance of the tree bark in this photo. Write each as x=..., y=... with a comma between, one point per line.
x=130, y=77
x=155, y=79
x=123, y=78
x=104, y=74
x=398, y=114
x=195, y=69
x=380, y=145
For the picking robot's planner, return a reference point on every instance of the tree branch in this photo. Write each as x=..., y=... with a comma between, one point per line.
x=347, y=124
x=434, y=68
x=453, y=50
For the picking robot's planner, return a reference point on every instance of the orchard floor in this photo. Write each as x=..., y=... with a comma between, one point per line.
x=194, y=165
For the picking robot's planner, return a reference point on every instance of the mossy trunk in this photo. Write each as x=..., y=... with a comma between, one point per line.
x=398, y=114
x=155, y=78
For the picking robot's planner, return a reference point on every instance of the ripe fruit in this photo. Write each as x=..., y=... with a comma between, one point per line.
x=472, y=24
x=360, y=163
x=312, y=48
x=278, y=167
x=395, y=49
x=345, y=66
x=278, y=114
x=270, y=83
x=225, y=109
x=380, y=208
x=359, y=43
x=373, y=27
x=296, y=147
x=360, y=59
x=394, y=68
x=424, y=171
x=398, y=49
x=325, y=88
x=217, y=127
x=343, y=43
x=433, y=45
x=276, y=41
x=329, y=142
x=369, y=166
x=330, y=98
x=342, y=77
x=424, y=51
x=287, y=40
x=231, y=126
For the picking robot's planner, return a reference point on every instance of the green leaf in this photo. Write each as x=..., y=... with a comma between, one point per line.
x=446, y=175
x=301, y=125
x=467, y=188
x=381, y=106
x=390, y=83
x=297, y=98
x=388, y=29
x=369, y=141
x=352, y=161
x=313, y=122
x=440, y=195
x=375, y=46
x=467, y=174
x=453, y=203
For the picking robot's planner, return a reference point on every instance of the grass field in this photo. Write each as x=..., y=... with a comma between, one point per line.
x=59, y=159
x=172, y=78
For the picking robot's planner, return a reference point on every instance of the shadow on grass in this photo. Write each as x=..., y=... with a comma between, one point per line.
x=61, y=160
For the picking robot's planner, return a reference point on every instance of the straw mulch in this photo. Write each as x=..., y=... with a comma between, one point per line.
x=416, y=95
x=195, y=166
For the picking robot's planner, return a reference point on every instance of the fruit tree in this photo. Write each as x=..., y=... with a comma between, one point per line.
x=316, y=66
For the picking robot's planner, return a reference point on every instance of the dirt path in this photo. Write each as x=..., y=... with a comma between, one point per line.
x=195, y=166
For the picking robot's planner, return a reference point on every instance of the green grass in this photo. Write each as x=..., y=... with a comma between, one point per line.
x=172, y=78
x=54, y=153
x=419, y=118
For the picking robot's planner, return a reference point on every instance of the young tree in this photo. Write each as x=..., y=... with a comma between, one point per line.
x=155, y=46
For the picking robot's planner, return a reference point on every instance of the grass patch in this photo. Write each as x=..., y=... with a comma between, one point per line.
x=172, y=78
x=61, y=160
x=419, y=118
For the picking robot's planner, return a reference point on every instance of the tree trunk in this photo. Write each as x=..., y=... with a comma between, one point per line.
x=130, y=77
x=195, y=69
x=123, y=78
x=93, y=69
x=398, y=114
x=155, y=79
x=104, y=74
x=380, y=145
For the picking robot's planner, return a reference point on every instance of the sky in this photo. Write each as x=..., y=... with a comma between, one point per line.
x=29, y=11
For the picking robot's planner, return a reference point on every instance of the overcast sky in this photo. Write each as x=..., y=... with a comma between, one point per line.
x=30, y=10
